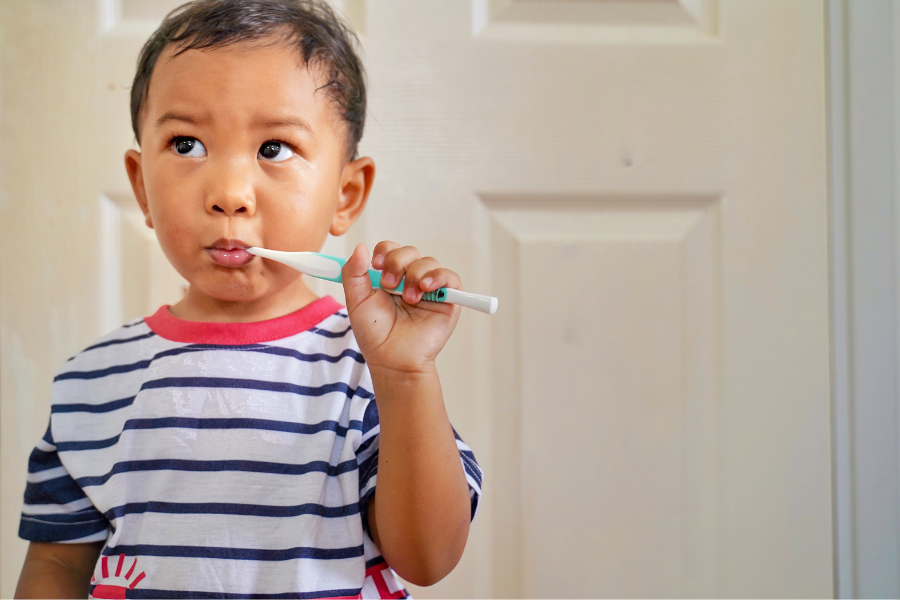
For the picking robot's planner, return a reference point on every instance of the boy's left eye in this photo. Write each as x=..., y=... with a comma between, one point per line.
x=275, y=152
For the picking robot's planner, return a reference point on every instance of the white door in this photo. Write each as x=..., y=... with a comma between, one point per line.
x=641, y=182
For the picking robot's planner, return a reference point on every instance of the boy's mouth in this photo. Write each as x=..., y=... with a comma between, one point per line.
x=230, y=253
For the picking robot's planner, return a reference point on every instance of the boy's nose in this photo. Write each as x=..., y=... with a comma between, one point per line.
x=231, y=193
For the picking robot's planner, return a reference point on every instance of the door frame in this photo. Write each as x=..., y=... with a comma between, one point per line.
x=863, y=39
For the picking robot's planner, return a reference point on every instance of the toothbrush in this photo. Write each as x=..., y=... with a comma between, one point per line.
x=322, y=266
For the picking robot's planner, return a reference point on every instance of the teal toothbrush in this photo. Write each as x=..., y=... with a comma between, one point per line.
x=322, y=266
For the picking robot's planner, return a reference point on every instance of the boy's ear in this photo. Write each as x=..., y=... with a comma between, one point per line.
x=356, y=183
x=136, y=176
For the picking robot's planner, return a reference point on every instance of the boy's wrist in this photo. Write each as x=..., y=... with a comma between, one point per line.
x=412, y=373
x=389, y=381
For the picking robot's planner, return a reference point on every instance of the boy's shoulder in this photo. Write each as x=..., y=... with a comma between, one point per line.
x=115, y=346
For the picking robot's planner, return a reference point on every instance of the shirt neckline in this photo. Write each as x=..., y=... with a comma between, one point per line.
x=166, y=325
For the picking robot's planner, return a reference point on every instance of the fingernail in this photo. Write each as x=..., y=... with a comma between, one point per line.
x=388, y=279
x=425, y=283
x=378, y=260
x=409, y=295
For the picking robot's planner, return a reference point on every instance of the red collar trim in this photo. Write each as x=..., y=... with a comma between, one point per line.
x=168, y=326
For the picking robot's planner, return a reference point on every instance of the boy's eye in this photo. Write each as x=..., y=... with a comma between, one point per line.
x=275, y=152
x=188, y=146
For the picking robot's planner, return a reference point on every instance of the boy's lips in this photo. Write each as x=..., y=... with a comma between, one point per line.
x=230, y=253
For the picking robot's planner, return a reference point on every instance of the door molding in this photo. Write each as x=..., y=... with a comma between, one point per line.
x=864, y=128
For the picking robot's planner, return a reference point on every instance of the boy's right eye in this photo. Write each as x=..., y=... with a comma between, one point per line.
x=188, y=146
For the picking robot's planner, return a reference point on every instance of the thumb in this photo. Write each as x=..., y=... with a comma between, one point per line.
x=355, y=274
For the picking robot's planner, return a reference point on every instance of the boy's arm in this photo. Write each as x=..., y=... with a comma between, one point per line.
x=419, y=516
x=58, y=570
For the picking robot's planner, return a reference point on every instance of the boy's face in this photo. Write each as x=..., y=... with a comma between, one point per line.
x=238, y=149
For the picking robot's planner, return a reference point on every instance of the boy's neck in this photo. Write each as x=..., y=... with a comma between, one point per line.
x=198, y=306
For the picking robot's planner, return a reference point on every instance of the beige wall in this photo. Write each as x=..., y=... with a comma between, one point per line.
x=47, y=206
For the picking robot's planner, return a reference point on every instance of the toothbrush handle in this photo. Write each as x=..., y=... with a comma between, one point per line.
x=485, y=304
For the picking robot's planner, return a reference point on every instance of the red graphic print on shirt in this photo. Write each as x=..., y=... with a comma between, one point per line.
x=376, y=574
x=115, y=586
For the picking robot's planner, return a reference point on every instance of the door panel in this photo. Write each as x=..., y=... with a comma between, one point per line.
x=642, y=183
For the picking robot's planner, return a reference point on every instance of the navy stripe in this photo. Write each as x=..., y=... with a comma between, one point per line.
x=48, y=435
x=263, y=349
x=34, y=531
x=215, y=382
x=223, y=508
x=140, y=592
x=133, y=324
x=93, y=408
x=143, y=364
x=279, y=351
x=256, y=384
x=42, y=461
x=218, y=423
x=330, y=334
x=236, y=553
x=365, y=445
x=249, y=466
x=61, y=490
x=136, y=338
x=370, y=417
x=374, y=561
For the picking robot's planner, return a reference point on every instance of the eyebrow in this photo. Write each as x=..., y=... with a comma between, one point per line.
x=175, y=116
x=289, y=121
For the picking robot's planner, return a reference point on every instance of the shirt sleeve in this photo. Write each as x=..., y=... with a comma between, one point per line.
x=56, y=509
x=367, y=459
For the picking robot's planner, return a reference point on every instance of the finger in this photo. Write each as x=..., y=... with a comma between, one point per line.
x=381, y=250
x=395, y=264
x=416, y=270
x=439, y=278
x=355, y=274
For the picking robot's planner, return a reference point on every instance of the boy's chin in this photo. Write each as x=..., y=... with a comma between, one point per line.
x=231, y=291
x=237, y=286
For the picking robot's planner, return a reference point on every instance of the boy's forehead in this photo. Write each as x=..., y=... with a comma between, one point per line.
x=239, y=83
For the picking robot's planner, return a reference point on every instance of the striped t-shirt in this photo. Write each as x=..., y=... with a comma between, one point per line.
x=218, y=460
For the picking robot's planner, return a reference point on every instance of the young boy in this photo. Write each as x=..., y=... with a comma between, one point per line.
x=229, y=446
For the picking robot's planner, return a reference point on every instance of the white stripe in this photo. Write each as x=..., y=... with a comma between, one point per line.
x=462, y=445
x=229, y=486
x=46, y=475
x=45, y=446
x=370, y=434
x=212, y=445
x=238, y=531
x=56, y=509
x=473, y=484
x=100, y=536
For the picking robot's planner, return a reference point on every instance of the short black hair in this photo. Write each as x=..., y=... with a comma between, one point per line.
x=322, y=39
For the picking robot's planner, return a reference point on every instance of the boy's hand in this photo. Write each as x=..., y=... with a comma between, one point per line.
x=398, y=333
